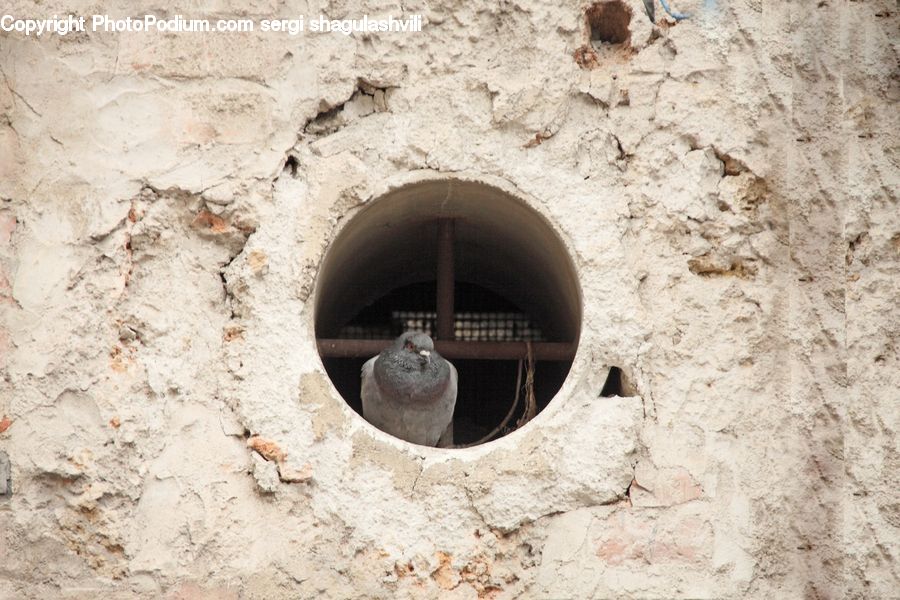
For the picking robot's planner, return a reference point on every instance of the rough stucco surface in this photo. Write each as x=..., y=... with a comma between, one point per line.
x=727, y=190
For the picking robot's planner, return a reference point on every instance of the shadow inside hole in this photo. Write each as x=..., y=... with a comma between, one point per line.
x=508, y=263
x=608, y=22
x=613, y=385
x=486, y=388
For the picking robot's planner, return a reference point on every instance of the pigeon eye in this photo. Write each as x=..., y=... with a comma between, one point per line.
x=409, y=345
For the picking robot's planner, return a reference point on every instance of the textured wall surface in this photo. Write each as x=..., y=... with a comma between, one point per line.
x=727, y=188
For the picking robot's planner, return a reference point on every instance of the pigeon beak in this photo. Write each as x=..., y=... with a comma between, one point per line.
x=426, y=356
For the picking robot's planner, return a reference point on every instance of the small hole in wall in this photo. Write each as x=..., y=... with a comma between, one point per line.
x=608, y=22
x=291, y=165
x=617, y=384
x=478, y=270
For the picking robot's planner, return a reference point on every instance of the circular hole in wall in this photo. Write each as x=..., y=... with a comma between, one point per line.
x=511, y=289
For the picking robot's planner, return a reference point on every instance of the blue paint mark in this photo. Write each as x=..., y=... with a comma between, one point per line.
x=675, y=15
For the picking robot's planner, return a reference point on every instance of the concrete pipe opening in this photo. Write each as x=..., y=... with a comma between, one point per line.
x=511, y=290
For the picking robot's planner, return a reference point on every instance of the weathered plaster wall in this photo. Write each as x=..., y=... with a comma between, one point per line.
x=727, y=189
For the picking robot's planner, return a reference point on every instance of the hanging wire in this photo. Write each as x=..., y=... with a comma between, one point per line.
x=512, y=409
x=530, y=402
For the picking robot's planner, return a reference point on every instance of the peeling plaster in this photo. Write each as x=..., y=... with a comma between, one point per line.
x=724, y=186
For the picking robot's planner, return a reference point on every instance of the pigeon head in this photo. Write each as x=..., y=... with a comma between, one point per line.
x=415, y=347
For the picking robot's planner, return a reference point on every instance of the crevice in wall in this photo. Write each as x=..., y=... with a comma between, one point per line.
x=291, y=164
x=15, y=93
x=731, y=165
x=629, y=490
x=858, y=248
x=472, y=503
x=272, y=454
x=623, y=159
x=418, y=476
x=366, y=99
x=710, y=266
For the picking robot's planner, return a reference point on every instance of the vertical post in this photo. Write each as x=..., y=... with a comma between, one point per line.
x=445, y=283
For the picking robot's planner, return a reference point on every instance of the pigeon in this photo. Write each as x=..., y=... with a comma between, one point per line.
x=409, y=391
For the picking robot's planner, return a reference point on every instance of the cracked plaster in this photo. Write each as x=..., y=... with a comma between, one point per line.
x=726, y=187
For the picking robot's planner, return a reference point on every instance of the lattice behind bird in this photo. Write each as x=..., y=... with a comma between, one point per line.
x=467, y=327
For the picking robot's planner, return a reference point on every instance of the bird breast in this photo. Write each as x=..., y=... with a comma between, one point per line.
x=412, y=382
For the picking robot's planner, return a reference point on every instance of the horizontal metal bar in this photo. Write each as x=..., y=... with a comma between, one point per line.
x=552, y=351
